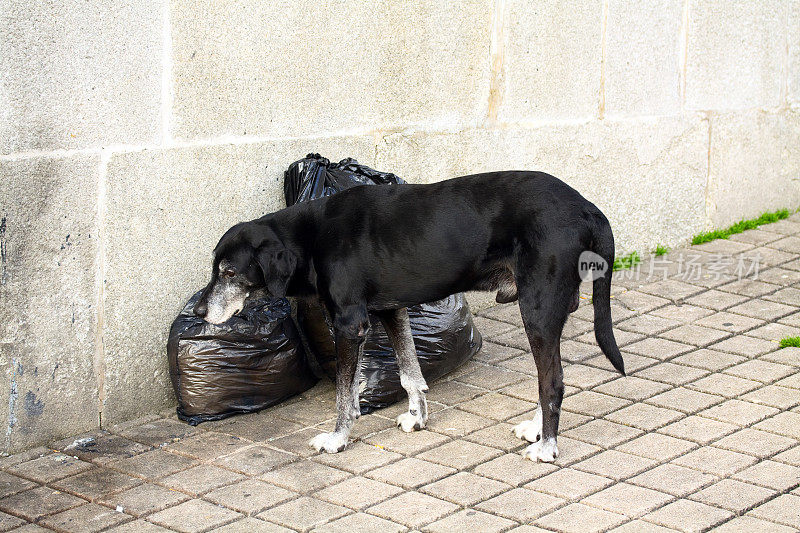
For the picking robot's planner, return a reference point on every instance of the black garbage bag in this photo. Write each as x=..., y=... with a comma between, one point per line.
x=252, y=361
x=444, y=333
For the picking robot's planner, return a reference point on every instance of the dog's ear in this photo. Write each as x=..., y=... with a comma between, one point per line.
x=278, y=267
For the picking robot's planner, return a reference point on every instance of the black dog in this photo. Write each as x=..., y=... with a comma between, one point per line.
x=387, y=247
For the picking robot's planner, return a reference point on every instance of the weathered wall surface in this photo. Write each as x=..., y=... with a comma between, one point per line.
x=134, y=133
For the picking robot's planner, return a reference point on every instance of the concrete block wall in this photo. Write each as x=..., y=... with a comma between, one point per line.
x=134, y=133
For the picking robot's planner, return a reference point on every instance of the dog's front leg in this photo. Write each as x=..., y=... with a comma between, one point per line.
x=349, y=350
x=398, y=329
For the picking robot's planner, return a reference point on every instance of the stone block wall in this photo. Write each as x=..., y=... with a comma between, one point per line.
x=133, y=134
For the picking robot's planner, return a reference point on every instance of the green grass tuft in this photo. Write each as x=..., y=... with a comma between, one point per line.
x=790, y=342
x=624, y=262
x=742, y=225
x=661, y=250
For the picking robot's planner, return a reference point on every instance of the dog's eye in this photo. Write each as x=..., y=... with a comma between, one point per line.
x=229, y=273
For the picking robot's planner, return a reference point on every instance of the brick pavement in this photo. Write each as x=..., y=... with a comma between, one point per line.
x=704, y=433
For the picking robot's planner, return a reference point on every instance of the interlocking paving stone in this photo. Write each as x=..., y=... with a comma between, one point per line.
x=749, y=287
x=522, y=505
x=255, y=460
x=785, y=509
x=580, y=518
x=410, y=473
x=200, y=479
x=774, y=396
x=413, y=509
x=715, y=460
x=632, y=388
x=686, y=400
x=709, y=359
x=358, y=492
x=256, y=427
x=698, y=429
x=770, y=474
x=144, y=499
x=733, y=495
x=406, y=443
x=305, y=476
x=50, y=467
x=671, y=373
x=724, y=385
x=457, y=423
x=35, y=503
x=8, y=522
x=762, y=309
x=208, y=445
x=470, y=520
x=603, y=433
x=695, y=334
x=527, y=390
x=249, y=496
x=751, y=524
x=728, y=321
x=10, y=484
x=358, y=457
x=496, y=406
x=657, y=446
x=774, y=331
x=153, y=464
x=297, y=443
x=593, y=403
x=453, y=392
x=673, y=479
x=786, y=423
x=586, y=377
x=250, y=525
x=684, y=313
x=760, y=370
x=89, y=517
x=738, y=412
x=688, y=515
x=644, y=416
x=158, y=432
x=303, y=513
x=515, y=470
x=465, y=488
x=780, y=276
x=491, y=378
x=359, y=523
x=627, y=499
x=648, y=324
x=460, y=454
x=194, y=516
x=96, y=483
x=569, y=483
x=615, y=464
x=639, y=302
x=786, y=295
x=659, y=348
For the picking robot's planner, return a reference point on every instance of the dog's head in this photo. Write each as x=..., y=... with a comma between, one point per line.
x=249, y=258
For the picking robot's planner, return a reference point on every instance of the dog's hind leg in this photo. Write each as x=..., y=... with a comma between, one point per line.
x=544, y=305
x=398, y=330
x=352, y=327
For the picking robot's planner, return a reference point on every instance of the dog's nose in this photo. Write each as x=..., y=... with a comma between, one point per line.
x=201, y=309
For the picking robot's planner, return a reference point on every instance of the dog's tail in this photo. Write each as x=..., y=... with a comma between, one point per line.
x=603, y=245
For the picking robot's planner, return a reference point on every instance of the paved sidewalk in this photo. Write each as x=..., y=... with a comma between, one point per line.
x=703, y=433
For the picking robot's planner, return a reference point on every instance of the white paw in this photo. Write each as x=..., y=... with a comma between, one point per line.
x=528, y=430
x=544, y=451
x=329, y=442
x=408, y=422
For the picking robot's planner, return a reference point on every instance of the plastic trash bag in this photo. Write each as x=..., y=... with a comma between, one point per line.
x=444, y=333
x=252, y=361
